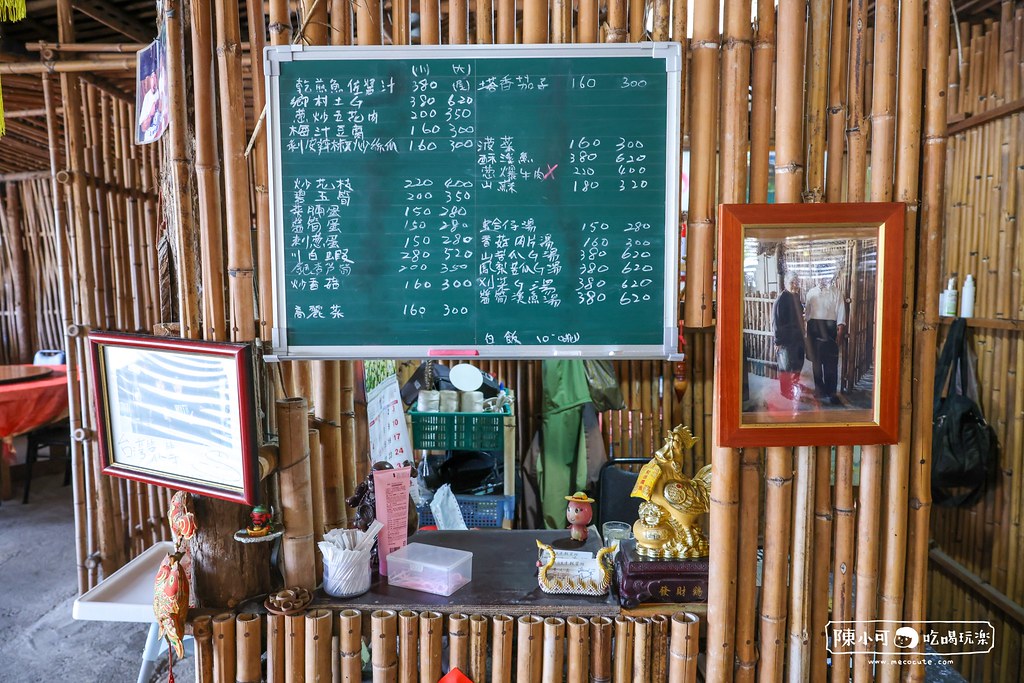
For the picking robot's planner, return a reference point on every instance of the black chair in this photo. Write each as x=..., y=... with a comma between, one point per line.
x=614, y=484
x=57, y=434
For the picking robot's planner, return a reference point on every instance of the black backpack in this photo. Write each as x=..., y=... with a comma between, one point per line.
x=965, y=450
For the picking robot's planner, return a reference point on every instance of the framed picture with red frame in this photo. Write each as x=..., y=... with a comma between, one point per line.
x=177, y=412
x=809, y=324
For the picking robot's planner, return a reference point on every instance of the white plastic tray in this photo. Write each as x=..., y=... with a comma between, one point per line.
x=127, y=594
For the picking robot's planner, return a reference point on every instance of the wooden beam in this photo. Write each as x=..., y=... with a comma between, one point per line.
x=991, y=115
x=42, y=46
x=126, y=63
x=119, y=20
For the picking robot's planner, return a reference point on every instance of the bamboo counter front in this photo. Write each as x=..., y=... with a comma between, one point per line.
x=504, y=580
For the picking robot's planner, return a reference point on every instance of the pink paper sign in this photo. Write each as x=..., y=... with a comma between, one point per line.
x=391, y=488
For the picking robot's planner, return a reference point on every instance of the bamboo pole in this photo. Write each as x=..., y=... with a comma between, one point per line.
x=275, y=648
x=280, y=27
x=553, y=650
x=348, y=427
x=778, y=498
x=202, y=632
x=327, y=399
x=248, y=647
x=318, y=646
x=350, y=629
x=855, y=124
x=384, y=645
x=477, y=648
x=817, y=71
x=798, y=655
x=207, y=165
x=736, y=56
x=458, y=642
x=746, y=569
x=837, y=101
x=294, y=478
x=314, y=22
x=867, y=548
x=529, y=649
x=535, y=21
x=341, y=22
x=256, y=21
x=616, y=30
x=659, y=648
x=316, y=496
x=819, y=594
x=368, y=22
x=224, y=665
x=933, y=194
x=295, y=648
x=431, y=630
x=430, y=22
x=484, y=22
x=21, y=311
x=578, y=652
x=408, y=642
x=501, y=649
x=700, y=223
x=587, y=21
x=641, y=650
x=684, y=648
x=722, y=591
x=601, y=650
x=623, y=659
x=236, y=180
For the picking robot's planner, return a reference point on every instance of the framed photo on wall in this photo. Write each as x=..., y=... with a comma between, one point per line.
x=809, y=324
x=177, y=413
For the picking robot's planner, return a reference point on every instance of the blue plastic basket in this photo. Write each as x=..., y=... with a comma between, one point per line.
x=477, y=511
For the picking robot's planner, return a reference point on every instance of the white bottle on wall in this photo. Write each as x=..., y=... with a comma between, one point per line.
x=947, y=299
x=967, y=298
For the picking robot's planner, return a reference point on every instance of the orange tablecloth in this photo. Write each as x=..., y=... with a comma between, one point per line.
x=27, y=405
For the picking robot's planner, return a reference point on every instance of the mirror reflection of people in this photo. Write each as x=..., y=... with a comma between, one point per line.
x=788, y=328
x=826, y=329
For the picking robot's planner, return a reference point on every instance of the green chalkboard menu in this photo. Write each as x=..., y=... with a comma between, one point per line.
x=505, y=201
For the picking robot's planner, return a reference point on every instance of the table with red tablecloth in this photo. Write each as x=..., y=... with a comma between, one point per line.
x=27, y=405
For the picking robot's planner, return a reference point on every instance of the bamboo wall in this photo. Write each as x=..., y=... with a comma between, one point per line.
x=976, y=571
x=30, y=313
x=406, y=647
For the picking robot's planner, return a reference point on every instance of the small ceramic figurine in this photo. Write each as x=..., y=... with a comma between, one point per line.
x=260, y=525
x=579, y=514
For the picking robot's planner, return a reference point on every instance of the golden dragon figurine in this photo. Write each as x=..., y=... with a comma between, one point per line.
x=594, y=582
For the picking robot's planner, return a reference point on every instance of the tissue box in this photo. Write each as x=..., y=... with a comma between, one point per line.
x=430, y=569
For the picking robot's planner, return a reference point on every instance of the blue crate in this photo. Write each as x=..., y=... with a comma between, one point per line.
x=478, y=511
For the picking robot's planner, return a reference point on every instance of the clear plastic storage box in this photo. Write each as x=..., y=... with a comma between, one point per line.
x=430, y=569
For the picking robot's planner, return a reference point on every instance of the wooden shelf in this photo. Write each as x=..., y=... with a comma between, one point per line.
x=988, y=323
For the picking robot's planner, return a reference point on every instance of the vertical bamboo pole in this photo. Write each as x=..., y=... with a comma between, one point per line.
x=368, y=20
x=535, y=21
x=431, y=630
x=659, y=648
x=855, y=124
x=501, y=649
x=295, y=648
x=746, y=565
x=722, y=591
x=578, y=653
x=601, y=650
x=384, y=646
x=316, y=498
x=778, y=499
x=736, y=55
x=477, y=648
x=327, y=399
x=867, y=547
x=275, y=648
x=236, y=179
x=761, y=108
x=820, y=602
x=350, y=629
x=554, y=650
x=934, y=168
x=202, y=632
x=280, y=27
x=616, y=30
x=587, y=21
x=408, y=642
x=297, y=543
x=248, y=646
x=641, y=650
x=314, y=22
x=318, y=646
x=700, y=223
x=430, y=22
x=257, y=22
x=458, y=22
x=458, y=642
x=211, y=229
x=798, y=656
x=789, y=166
x=224, y=665
x=817, y=89
x=341, y=22
x=684, y=648
x=347, y=405
x=838, y=62
x=484, y=22
x=623, y=659
x=529, y=649
x=22, y=311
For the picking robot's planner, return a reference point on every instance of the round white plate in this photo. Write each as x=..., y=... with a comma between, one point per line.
x=466, y=377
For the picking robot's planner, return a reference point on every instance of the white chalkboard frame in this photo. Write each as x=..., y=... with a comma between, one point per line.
x=670, y=52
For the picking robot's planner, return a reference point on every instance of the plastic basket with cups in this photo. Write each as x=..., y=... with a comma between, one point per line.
x=461, y=420
x=347, y=560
